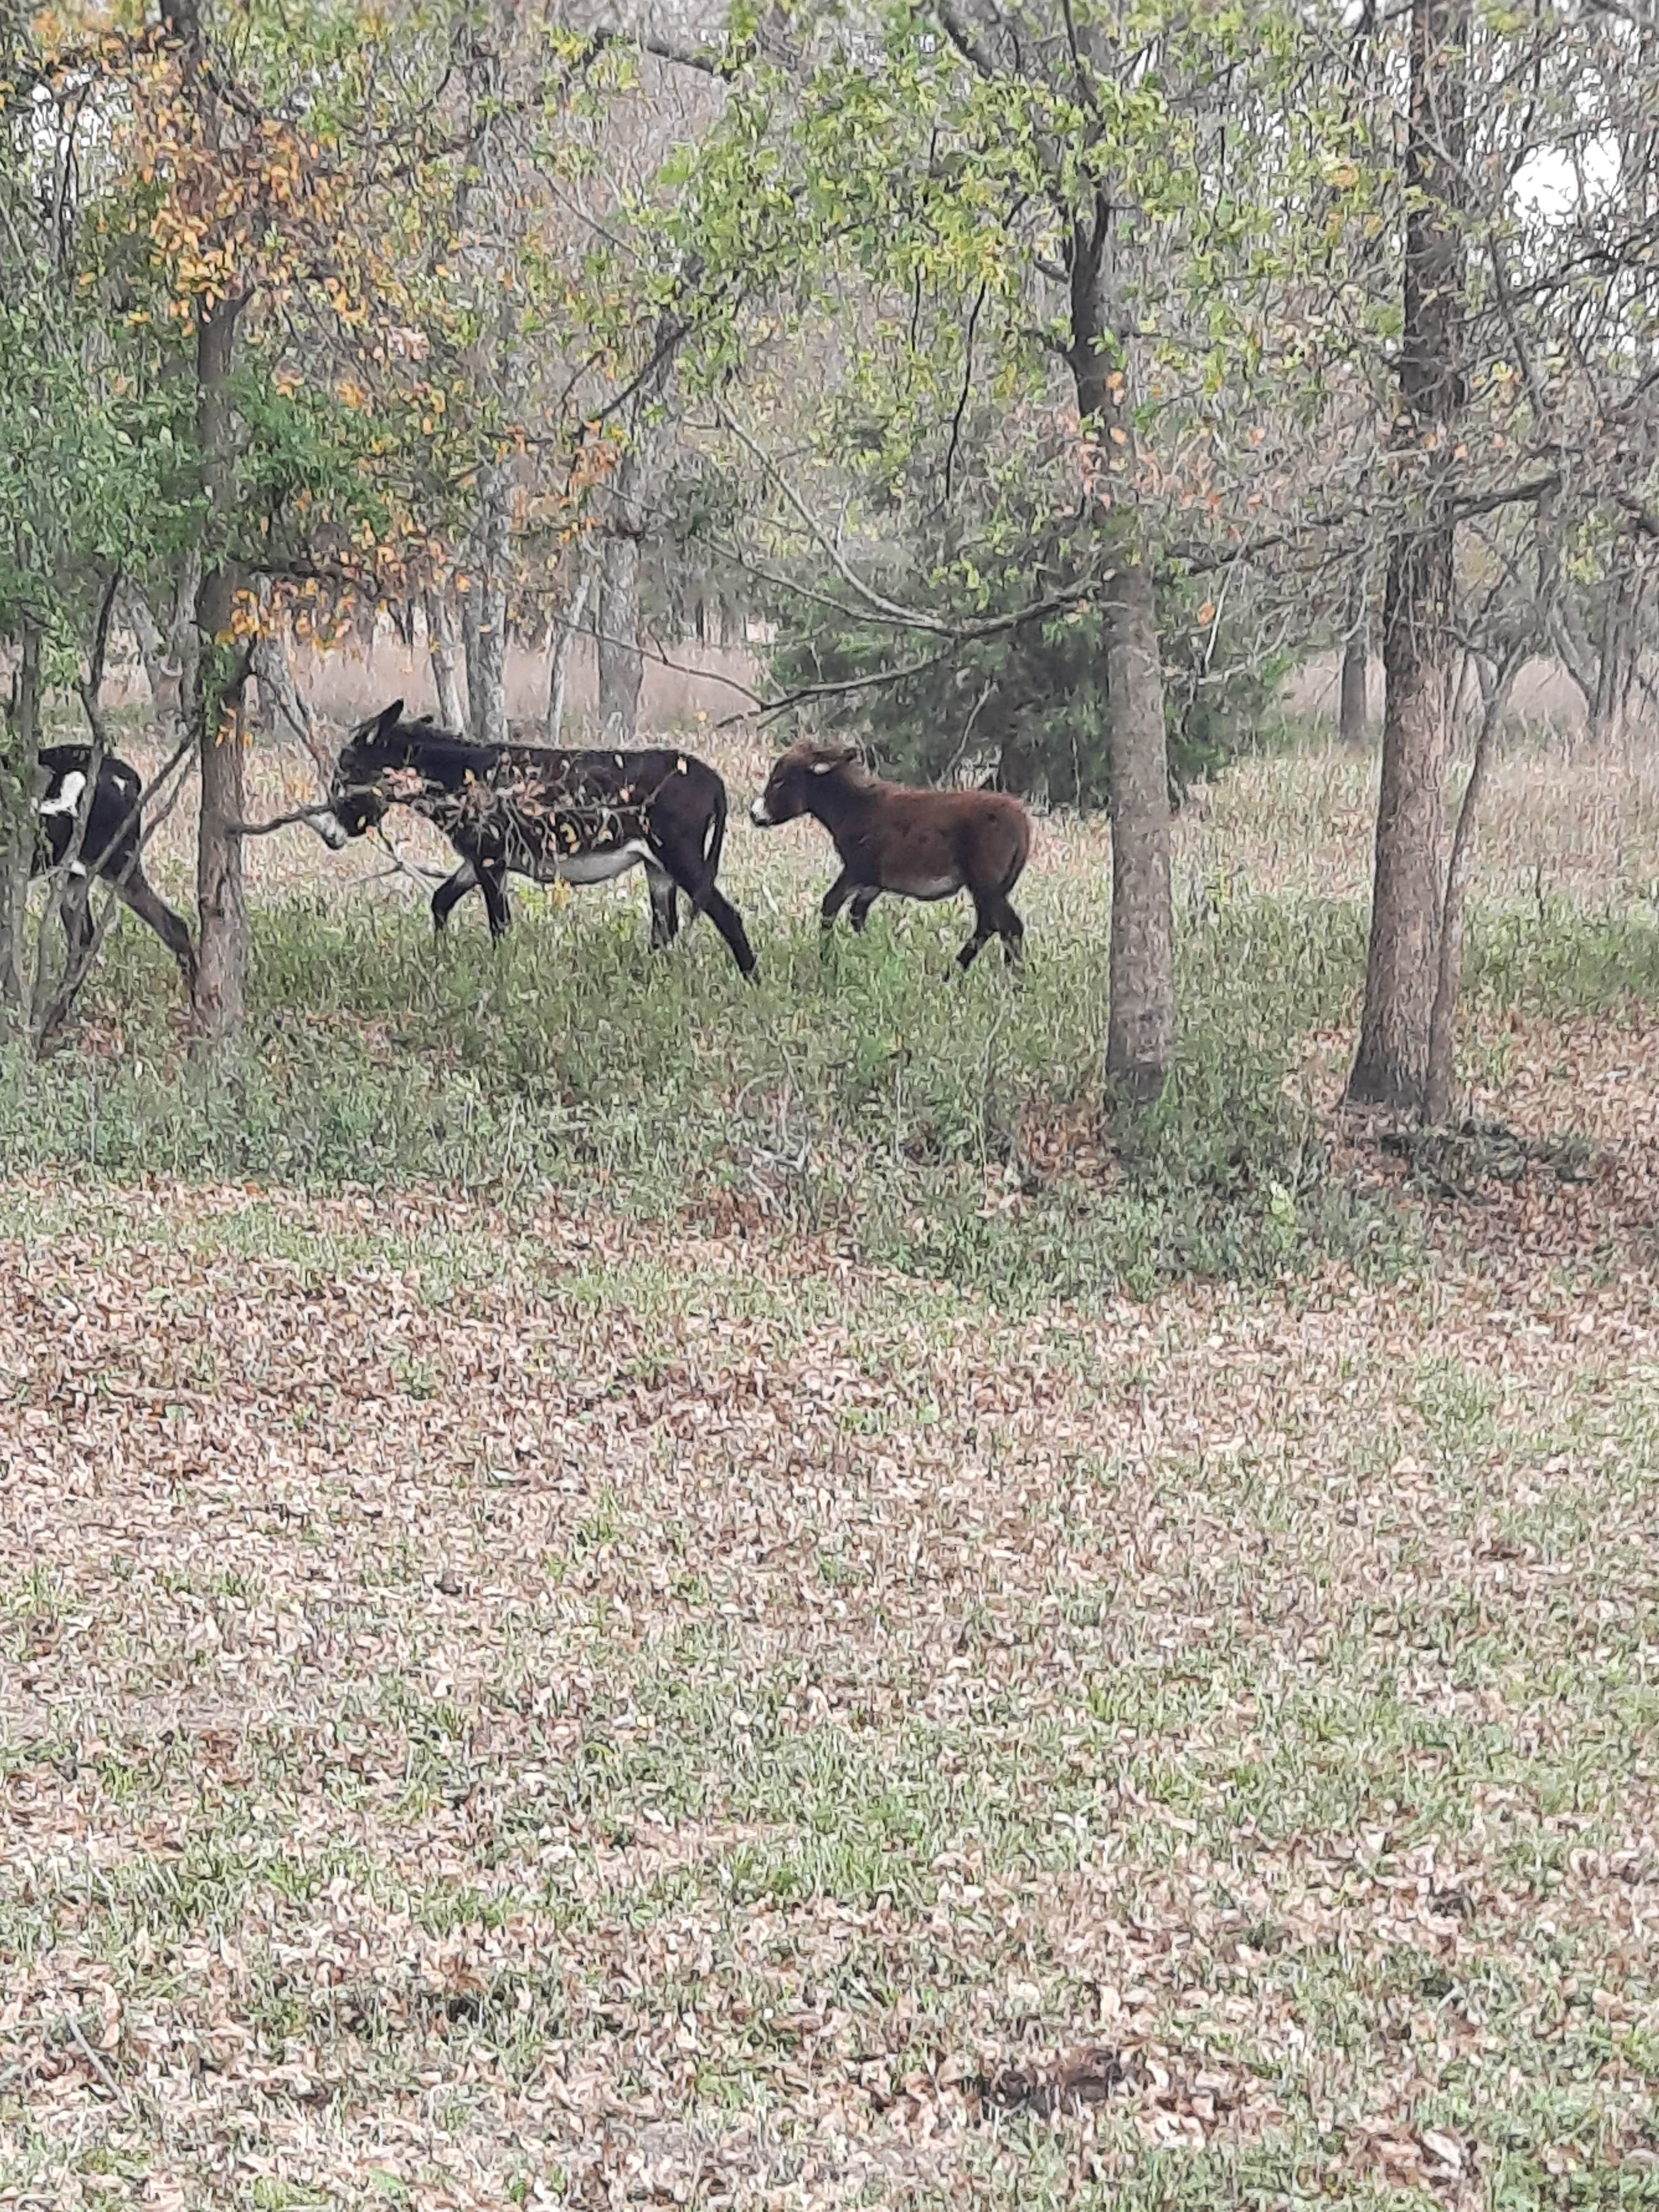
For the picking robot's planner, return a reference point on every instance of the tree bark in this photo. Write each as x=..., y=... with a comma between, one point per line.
x=621, y=665
x=1353, y=705
x=90, y=684
x=1141, y=1020
x=566, y=632
x=160, y=673
x=444, y=653
x=283, y=706
x=1419, y=649
x=1442, y=1021
x=222, y=965
x=468, y=626
x=486, y=630
x=202, y=607
x=1392, y=1065
x=1140, y=1032
x=221, y=962
x=184, y=647
x=1615, y=656
x=22, y=750
x=621, y=661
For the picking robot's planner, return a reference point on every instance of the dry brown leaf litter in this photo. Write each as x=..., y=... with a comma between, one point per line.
x=584, y=1732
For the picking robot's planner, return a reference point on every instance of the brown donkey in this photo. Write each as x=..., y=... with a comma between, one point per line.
x=917, y=844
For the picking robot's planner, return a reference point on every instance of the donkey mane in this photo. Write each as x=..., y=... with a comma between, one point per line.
x=823, y=756
x=579, y=817
x=428, y=746
x=426, y=734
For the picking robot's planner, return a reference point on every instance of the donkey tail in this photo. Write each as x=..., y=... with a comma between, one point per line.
x=1018, y=857
x=714, y=842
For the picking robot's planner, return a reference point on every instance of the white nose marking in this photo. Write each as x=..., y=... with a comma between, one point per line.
x=758, y=815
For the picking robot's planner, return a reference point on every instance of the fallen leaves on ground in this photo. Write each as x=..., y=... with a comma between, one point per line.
x=529, y=1703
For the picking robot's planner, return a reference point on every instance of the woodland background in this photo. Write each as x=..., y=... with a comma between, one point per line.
x=622, y=1588
x=1042, y=387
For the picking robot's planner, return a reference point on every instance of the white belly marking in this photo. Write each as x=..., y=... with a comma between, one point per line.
x=68, y=796
x=597, y=867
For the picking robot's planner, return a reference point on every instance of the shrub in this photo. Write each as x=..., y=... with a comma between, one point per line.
x=1023, y=705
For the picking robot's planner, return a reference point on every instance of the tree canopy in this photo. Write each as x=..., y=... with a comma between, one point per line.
x=1048, y=377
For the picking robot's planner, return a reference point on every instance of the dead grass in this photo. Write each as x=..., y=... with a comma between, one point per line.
x=503, y=1702
x=1563, y=821
x=524, y=1707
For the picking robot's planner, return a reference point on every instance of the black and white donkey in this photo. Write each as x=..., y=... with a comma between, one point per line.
x=111, y=831
x=575, y=818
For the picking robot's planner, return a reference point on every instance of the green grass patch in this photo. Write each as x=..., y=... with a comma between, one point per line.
x=872, y=1093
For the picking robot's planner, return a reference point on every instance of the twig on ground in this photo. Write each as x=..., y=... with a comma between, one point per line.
x=93, y=2059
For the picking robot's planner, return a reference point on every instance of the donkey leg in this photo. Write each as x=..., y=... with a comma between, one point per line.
x=707, y=897
x=75, y=912
x=834, y=899
x=135, y=893
x=492, y=882
x=729, y=922
x=859, y=912
x=985, y=928
x=664, y=906
x=450, y=893
x=1012, y=930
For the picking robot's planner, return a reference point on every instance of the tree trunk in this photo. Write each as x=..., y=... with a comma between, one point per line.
x=1140, y=1031
x=1617, y=651
x=261, y=710
x=283, y=707
x=486, y=627
x=444, y=654
x=621, y=665
x=468, y=607
x=90, y=684
x=1140, y=1021
x=567, y=630
x=22, y=750
x=52, y=1001
x=1353, y=706
x=160, y=672
x=184, y=648
x=222, y=964
x=1419, y=649
x=1442, y=1021
x=1392, y=1067
x=222, y=944
x=621, y=662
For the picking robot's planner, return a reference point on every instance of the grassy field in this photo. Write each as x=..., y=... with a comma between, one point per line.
x=619, y=1590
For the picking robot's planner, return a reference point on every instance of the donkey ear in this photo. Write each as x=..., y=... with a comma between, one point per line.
x=389, y=718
